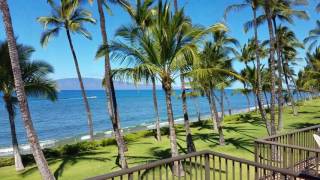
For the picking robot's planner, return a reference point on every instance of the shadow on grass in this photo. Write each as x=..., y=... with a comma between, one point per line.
x=68, y=160
x=248, y=118
x=302, y=125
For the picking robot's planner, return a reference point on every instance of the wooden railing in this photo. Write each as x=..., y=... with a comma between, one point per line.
x=296, y=150
x=203, y=165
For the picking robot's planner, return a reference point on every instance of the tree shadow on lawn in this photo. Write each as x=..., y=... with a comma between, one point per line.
x=213, y=139
x=308, y=112
x=302, y=125
x=155, y=153
x=248, y=118
x=68, y=160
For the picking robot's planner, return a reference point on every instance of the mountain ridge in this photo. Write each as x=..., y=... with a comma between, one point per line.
x=96, y=84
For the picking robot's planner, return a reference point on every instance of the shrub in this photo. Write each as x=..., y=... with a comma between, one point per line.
x=74, y=149
x=108, y=142
x=6, y=161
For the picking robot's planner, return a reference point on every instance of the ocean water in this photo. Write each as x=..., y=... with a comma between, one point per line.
x=66, y=117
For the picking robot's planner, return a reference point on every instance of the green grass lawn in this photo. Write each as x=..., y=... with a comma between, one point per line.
x=239, y=130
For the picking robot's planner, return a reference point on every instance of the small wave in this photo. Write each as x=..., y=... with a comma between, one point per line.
x=90, y=97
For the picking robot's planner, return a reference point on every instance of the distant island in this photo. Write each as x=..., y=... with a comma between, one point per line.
x=96, y=84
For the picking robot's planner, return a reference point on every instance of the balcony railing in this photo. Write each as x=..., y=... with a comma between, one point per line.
x=296, y=151
x=293, y=155
x=203, y=165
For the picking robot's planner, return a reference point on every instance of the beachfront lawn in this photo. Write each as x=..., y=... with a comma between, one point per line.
x=239, y=130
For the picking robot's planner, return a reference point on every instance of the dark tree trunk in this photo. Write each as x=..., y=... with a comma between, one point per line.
x=155, y=105
x=248, y=102
x=216, y=119
x=259, y=84
x=112, y=107
x=84, y=95
x=172, y=131
x=228, y=102
x=265, y=95
x=292, y=101
x=279, y=67
x=222, y=103
x=272, y=67
x=15, y=146
x=23, y=102
x=190, y=145
x=175, y=3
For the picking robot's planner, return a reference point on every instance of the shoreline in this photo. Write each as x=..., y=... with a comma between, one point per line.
x=51, y=143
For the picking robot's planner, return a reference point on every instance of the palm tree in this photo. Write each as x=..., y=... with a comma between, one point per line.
x=272, y=66
x=308, y=78
x=288, y=43
x=313, y=37
x=112, y=106
x=254, y=5
x=68, y=15
x=21, y=95
x=35, y=82
x=139, y=73
x=215, y=65
x=190, y=144
x=166, y=54
x=281, y=10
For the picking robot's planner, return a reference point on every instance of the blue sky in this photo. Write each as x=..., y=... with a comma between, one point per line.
x=57, y=53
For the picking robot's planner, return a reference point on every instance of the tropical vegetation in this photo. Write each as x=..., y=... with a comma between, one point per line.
x=162, y=46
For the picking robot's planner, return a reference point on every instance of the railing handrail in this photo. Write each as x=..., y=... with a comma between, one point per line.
x=291, y=132
x=186, y=156
x=289, y=146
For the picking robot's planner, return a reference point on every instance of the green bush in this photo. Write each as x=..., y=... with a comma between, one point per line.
x=6, y=161
x=74, y=149
x=108, y=142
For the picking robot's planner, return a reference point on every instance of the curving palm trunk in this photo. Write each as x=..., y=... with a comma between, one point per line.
x=215, y=115
x=155, y=104
x=272, y=67
x=228, y=102
x=23, y=102
x=16, y=153
x=112, y=107
x=172, y=131
x=190, y=145
x=248, y=102
x=279, y=67
x=83, y=92
x=259, y=84
x=222, y=103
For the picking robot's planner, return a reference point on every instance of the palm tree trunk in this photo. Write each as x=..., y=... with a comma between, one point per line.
x=222, y=103
x=272, y=67
x=265, y=95
x=228, y=102
x=190, y=145
x=175, y=3
x=84, y=95
x=23, y=102
x=155, y=104
x=172, y=131
x=294, y=110
x=279, y=66
x=112, y=107
x=259, y=84
x=213, y=116
x=216, y=119
x=248, y=102
x=16, y=153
